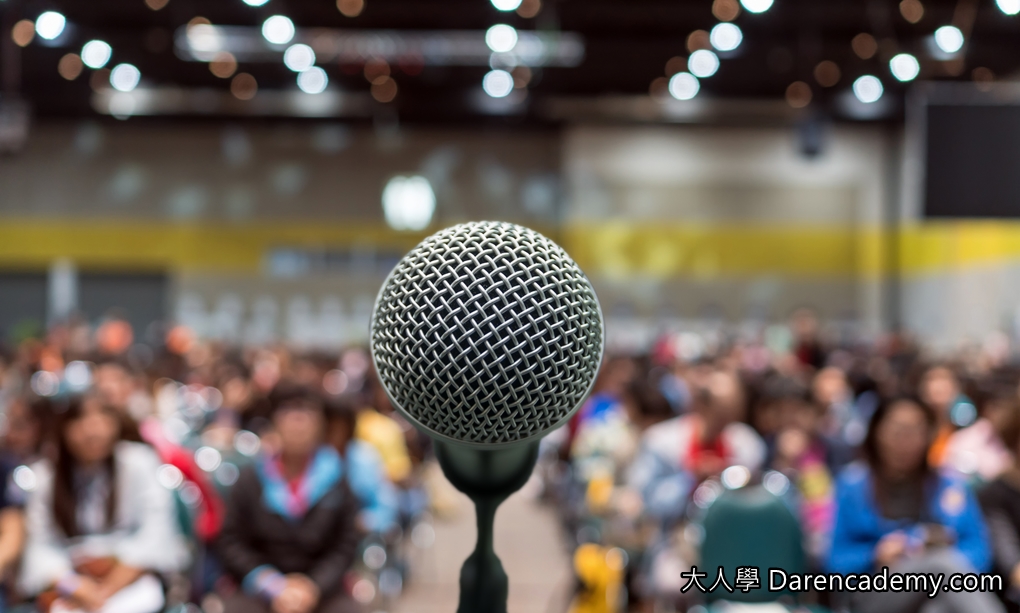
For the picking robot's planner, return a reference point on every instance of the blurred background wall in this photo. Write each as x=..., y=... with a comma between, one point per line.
x=260, y=232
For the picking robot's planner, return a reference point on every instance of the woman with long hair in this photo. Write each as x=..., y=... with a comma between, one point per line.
x=100, y=525
x=895, y=511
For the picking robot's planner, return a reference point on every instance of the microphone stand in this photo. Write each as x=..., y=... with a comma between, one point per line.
x=487, y=477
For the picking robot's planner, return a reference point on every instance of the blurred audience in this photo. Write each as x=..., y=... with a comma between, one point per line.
x=271, y=479
x=100, y=526
x=895, y=510
x=291, y=531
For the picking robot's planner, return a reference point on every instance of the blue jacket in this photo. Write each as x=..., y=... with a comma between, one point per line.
x=859, y=526
x=368, y=481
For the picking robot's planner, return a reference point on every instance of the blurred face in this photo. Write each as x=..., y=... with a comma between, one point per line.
x=724, y=401
x=903, y=438
x=90, y=438
x=830, y=386
x=114, y=385
x=939, y=388
x=301, y=428
x=22, y=435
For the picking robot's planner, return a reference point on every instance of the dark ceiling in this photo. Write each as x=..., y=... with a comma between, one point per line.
x=628, y=43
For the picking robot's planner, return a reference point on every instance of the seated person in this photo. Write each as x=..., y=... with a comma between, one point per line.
x=978, y=451
x=365, y=472
x=1000, y=500
x=707, y=440
x=799, y=450
x=291, y=532
x=12, y=527
x=675, y=455
x=100, y=525
x=893, y=510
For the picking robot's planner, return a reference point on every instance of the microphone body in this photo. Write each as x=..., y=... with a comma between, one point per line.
x=486, y=337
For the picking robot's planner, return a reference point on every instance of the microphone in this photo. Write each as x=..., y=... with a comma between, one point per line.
x=487, y=336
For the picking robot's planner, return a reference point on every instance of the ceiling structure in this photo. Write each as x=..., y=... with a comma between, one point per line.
x=424, y=61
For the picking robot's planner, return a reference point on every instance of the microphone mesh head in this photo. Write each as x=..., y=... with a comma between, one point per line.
x=487, y=333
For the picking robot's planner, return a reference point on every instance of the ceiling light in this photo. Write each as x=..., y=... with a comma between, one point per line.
x=408, y=203
x=299, y=58
x=125, y=77
x=1009, y=7
x=506, y=5
x=949, y=39
x=725, y=37
x=498, y=83
x=868, y=89
x=313, y=81
x=96, y=53
x=501, y=38
x=703, y=63
x=278, y=30
x=756, y=6
x=684, y=86
x=50, y=25
x=904, y=67
x=255, y=2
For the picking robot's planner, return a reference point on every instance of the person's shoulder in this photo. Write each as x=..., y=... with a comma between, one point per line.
x=853, y=475
x=743, y=431
x=668, y=428
x=361, y=452
x=135, y=454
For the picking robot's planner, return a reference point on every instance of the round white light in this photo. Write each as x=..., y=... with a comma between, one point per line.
x=299, y=58
x=125, y=77
x=904, y=67
x=247, y=443
x=255, y=2
x=776, y=482
x=278, y=30
x=868, y=89
x=1009, y=7
x=25, y=478
x=408, y=203
x=501, y=38
x=313, y=81
x=498, y=83
x=169, y=476
x=756, y=6
x=50, y=25
x=703, y=63
x=506, y=5
x=78, y=375
x=735, y=477
x=96, y=53
x=684, y=86
x=208, y=459
x=725, y=37
x=949, y=39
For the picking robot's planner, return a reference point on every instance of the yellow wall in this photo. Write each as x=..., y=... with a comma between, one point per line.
x=613, y=249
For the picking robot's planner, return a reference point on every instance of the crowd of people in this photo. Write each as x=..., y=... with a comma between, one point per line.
x=139, y=477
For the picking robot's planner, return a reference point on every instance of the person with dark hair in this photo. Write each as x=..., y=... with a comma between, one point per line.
x=1000, y=500
x=291, y=529
x=22, y=435
x=940, y=390
x=12, y=526
x=365, y=472
x=100, y=525
x=809, y=459
x=894, y=510
x=978, y=451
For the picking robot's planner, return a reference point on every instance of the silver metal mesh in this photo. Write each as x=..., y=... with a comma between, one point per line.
x=487, y=333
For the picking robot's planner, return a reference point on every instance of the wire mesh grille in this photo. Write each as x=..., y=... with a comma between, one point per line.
x=487, y=333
